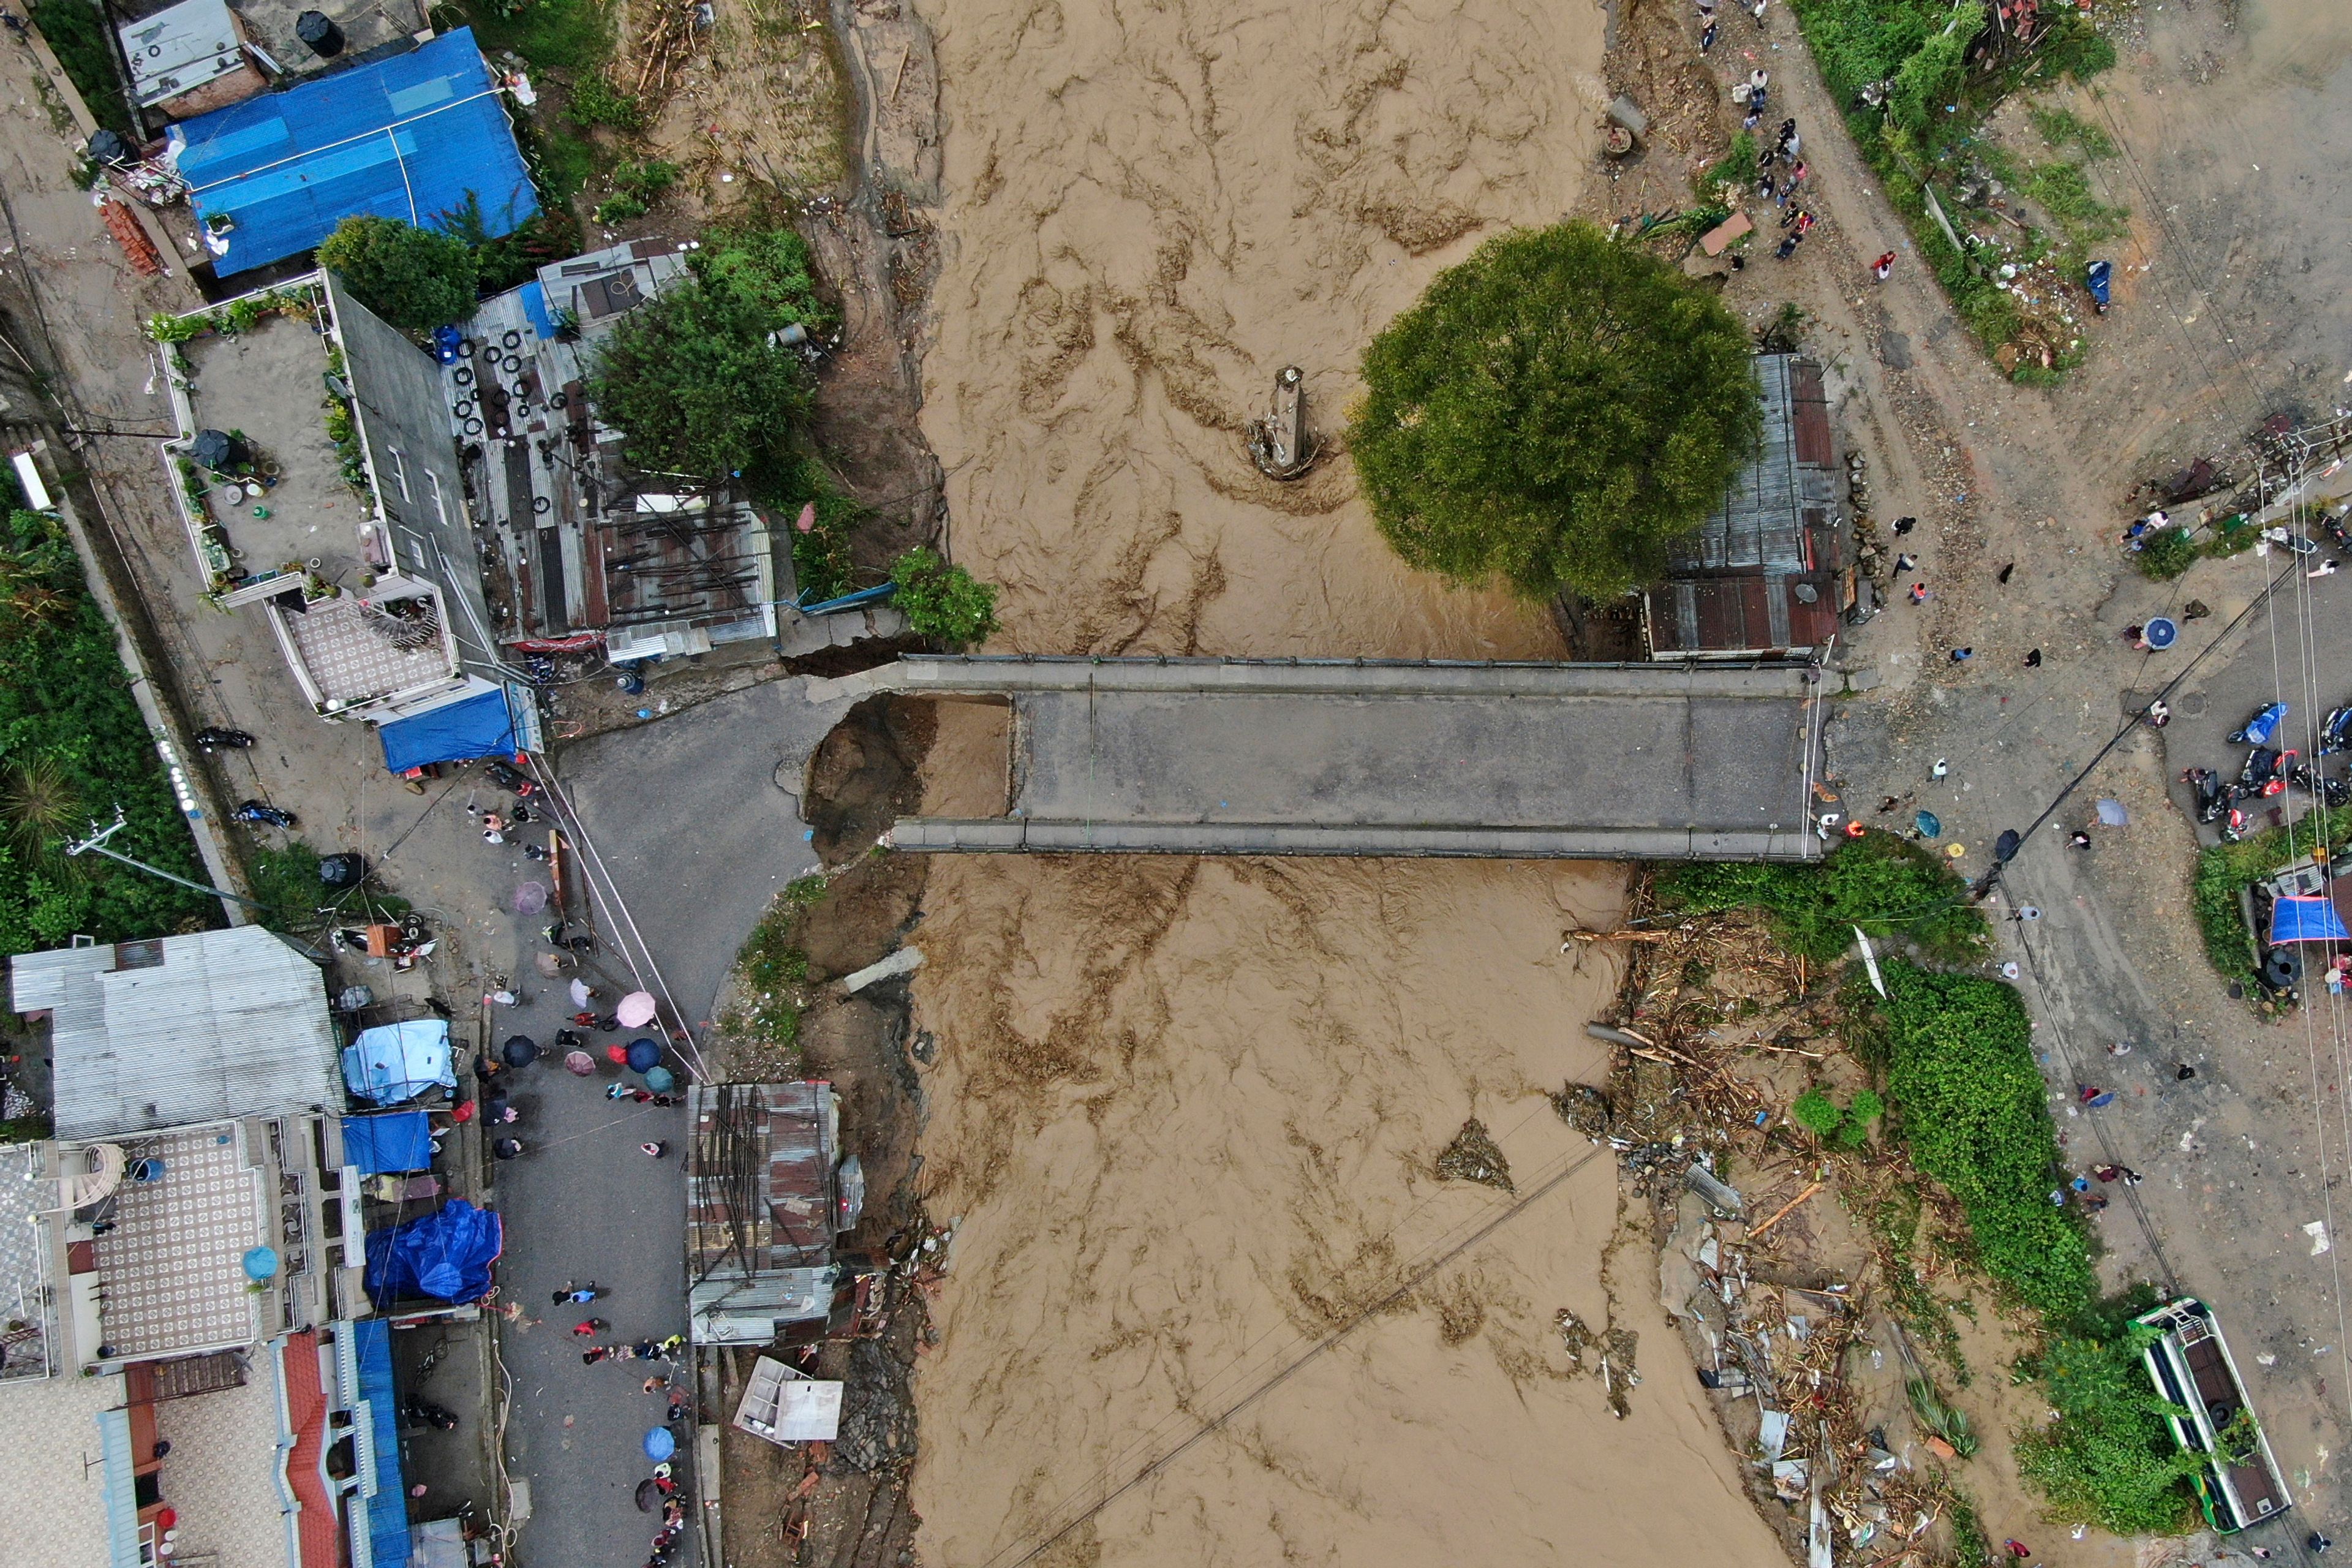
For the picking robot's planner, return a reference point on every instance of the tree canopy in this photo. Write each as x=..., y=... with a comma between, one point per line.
x=415, y=278
x=693, y=379
x=1555, y=411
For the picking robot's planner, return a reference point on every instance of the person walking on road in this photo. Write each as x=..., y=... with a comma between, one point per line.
x=588, y=1328
x=653, y=1150
x=1883, y=267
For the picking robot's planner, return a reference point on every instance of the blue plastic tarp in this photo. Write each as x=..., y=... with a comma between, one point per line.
x=394, y=1062
x=387, y=1505
x=478, y=726
x=409, y=138
x=445, y=1254
x=397, y=1141
x=2306, y=919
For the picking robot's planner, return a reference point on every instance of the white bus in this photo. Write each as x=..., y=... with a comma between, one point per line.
x=2240, y=1483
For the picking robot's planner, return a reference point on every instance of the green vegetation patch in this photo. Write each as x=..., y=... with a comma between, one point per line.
x=2225, y=870
x=942, y=602
x=76, y=31
x=2110, y=1459
x=1890, y=889
x=1969, y=1102
x=551, y=35
x=415, y=278
x=73, y=747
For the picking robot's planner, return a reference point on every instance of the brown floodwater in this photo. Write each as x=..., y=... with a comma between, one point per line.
x=1188, y=1111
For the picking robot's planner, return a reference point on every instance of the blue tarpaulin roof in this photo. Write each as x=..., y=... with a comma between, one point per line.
x=408, y=138
x=479, y=726
x=397, y=1141
x=387, y=1506
x=445, y=1254
x=394, y=1062
x=2305, y=919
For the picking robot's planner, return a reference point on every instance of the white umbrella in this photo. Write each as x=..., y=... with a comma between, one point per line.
x=2112, y=814
x=581, y=993
x=636, y=1010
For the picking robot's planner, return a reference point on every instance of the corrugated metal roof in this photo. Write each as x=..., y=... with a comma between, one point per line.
x=180, y=48
x=408, y=138
x=40, y=981
x=231, y=1022
x=1761, y=522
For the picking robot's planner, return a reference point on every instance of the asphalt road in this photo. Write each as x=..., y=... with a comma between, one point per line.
x=697, y=838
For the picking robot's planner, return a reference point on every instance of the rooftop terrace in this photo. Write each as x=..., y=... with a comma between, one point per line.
x=171, y=1272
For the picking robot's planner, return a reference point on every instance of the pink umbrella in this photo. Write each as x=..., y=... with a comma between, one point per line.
x=579, y=1063
x=636, y=1010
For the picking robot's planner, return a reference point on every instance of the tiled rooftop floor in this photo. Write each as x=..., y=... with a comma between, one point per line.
x=172, y=1269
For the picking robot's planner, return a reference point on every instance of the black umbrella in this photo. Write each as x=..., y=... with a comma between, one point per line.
x=519, y=1051
x=649, y=1495
x=2005, y=848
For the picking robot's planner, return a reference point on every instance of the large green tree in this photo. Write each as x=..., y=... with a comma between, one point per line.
x=1555, y=412
x=698, y=379
x=415, y=278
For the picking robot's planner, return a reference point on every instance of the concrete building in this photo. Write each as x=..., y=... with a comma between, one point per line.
x=761, y=1207
x=321, y=492
x=189, y=1370
x=1768, y=573
x=588, y=547
x=191, y=57
x=146, y=1035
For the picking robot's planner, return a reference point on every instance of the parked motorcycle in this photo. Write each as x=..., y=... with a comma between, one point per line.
x=2333, y=794
x=2233, y=828
x=2212, y=795
x=212, y=738
x=425, y=1413
x=2258, y=729
x=2336, y=729
x=507, y=776
x=2265, y=772
x=260, y=812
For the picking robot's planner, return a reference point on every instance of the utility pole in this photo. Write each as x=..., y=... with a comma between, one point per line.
x=96, y=844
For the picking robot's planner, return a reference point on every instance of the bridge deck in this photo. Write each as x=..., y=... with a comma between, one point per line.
x=1208, y=757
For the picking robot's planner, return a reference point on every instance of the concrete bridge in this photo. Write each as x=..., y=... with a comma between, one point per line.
x=1202, y=756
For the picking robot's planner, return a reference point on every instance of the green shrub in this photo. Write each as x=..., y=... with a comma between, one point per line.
x=2223, y=871
x=1864, y=1109
x=415, y=278
x=1928, y=84
x=647, y=180
x=1889, y=887
x=1817, y=1113
x=942, y=602
x=1969, y=1104
x=2166, y=553
x=2065, y=191
x=2109, y=1459
x=1736, y=167
x=595, y=101
x=621, y=208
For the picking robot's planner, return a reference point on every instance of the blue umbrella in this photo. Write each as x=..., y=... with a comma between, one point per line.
x=2160, y=633
x=643, y=1053
x=1929, y=823
x=660, y=1444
